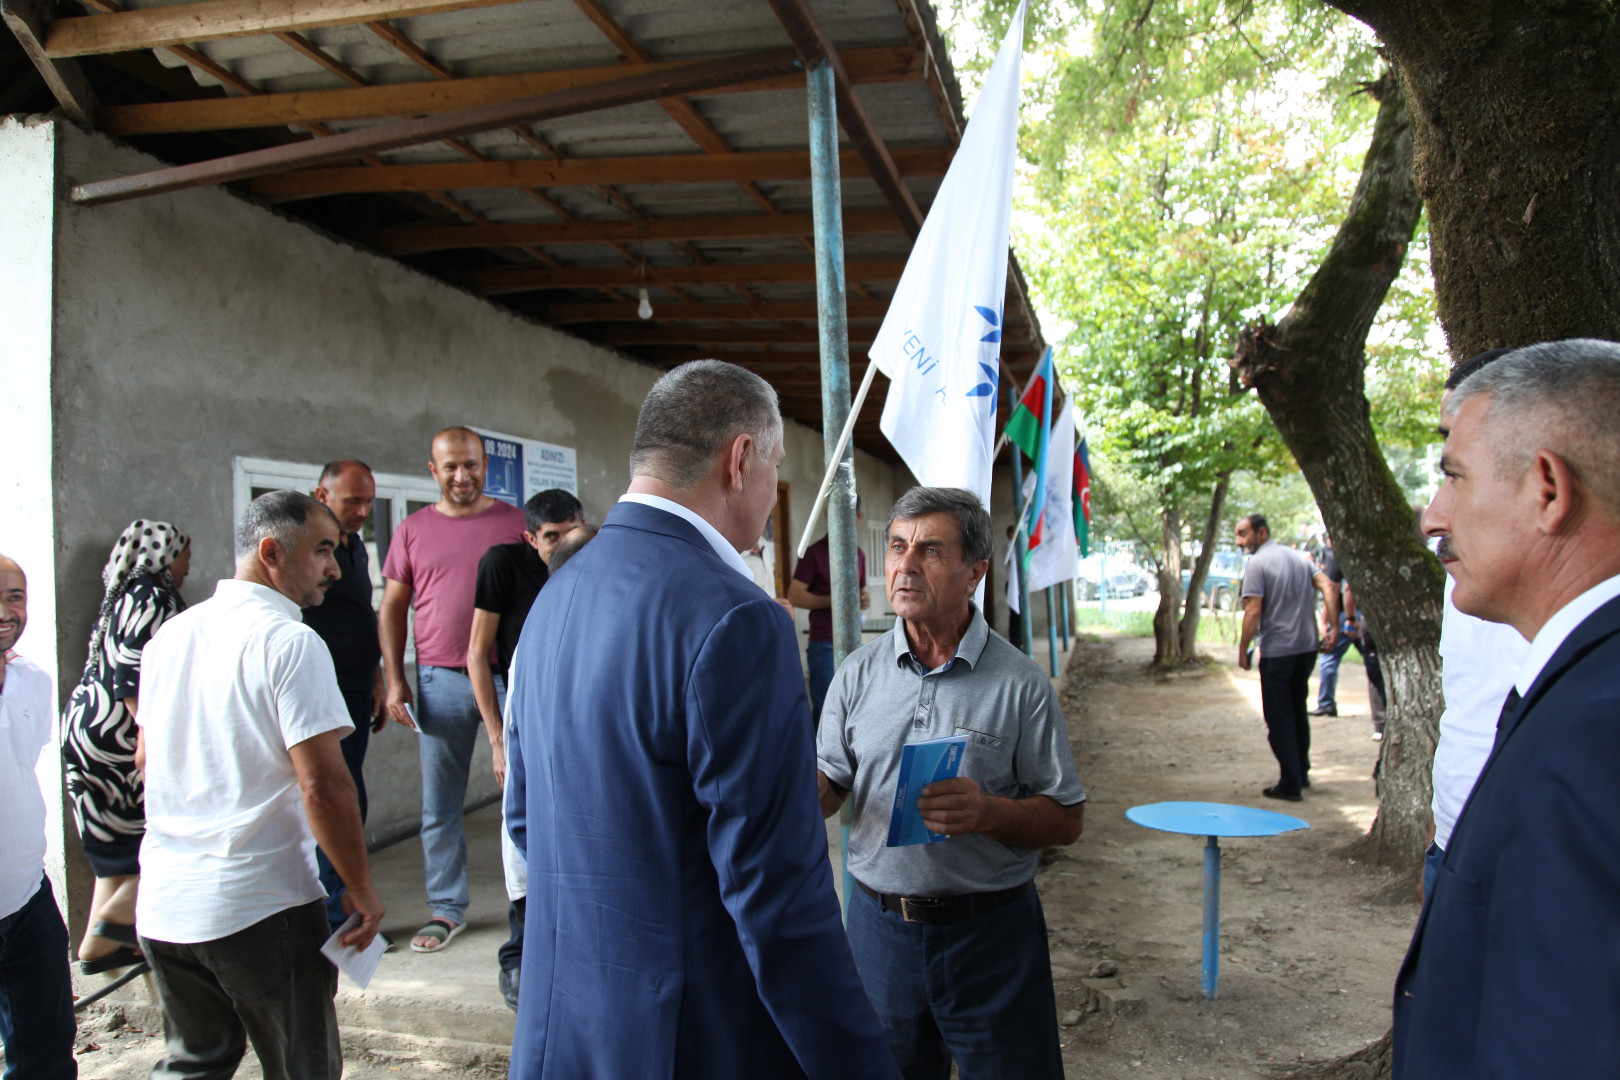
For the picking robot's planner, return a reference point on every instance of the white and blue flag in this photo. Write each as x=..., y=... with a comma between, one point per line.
x=940, y=343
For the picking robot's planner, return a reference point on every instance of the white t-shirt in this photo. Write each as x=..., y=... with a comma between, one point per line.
x=25, y=728
x=227, y=688
x=1478, y=661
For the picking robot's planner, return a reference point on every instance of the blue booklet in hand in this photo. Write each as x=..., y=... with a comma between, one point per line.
x=921, y=763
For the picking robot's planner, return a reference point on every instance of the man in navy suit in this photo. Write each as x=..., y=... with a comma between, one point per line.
x=681, y=916
x=1515, y=967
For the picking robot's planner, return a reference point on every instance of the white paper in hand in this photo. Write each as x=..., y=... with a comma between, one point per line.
x=358, y=964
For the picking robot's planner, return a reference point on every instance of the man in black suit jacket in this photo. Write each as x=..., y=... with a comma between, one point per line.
x=1514, y=970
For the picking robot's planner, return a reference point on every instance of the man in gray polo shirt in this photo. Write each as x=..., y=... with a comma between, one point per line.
x=967, y=906
x=1279, y=615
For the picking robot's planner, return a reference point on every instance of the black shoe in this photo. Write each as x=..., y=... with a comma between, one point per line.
x=509, y=987
x=1331, y=710
x=1278, y=793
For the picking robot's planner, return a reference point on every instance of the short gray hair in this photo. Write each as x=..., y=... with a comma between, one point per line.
x=1561, y=396
x=695, y=411
x=972, y=519
x=282, y=515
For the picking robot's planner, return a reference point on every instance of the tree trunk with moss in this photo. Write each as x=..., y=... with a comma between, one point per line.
x=1309, y=373
x=1515, y=112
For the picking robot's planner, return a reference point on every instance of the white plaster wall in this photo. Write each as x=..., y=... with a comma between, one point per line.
x=194, y=327
x=27, y=523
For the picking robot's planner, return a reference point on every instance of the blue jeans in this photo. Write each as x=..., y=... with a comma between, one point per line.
x=819, y=655
x=1327, y=672
x=353, y=746
x=36, y=991
x=448, y=717
x=978, y=990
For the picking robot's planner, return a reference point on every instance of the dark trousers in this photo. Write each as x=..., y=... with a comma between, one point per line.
x=511, y=953
x=354, y=756
x=1284, y=685
x=268, y=984
x=36, y=991
x=978, y=990
x=818, y=657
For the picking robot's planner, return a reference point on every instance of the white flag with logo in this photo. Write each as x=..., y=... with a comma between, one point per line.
x=940, y=343
x=1057, y=557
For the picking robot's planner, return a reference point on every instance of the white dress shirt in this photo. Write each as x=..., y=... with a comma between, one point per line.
x=227, y=688
x=25, y=728
x=728, y=554
x=1478, y=661
x=1557, y=629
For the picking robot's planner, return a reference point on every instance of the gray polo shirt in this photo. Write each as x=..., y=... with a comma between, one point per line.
x=1282, y=578
x=882, y=698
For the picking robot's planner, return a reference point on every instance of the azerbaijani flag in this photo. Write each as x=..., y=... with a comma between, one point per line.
x=1082, y=497
x=1030, y=430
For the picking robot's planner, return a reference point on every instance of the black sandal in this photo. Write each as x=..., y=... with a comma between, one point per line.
x=127, y=953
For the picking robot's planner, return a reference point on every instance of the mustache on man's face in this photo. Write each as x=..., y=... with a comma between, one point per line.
x=1445, y=549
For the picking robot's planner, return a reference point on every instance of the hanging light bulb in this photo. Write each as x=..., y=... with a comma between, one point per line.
x=644, y=309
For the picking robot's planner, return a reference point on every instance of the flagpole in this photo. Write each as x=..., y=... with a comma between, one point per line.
x=836, y=458
x=1021, y=545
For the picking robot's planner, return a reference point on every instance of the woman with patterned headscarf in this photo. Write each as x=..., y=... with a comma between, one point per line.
x=143, y=576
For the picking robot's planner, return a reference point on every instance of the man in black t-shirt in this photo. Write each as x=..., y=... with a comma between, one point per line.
x=348, y=624
x=510, y=576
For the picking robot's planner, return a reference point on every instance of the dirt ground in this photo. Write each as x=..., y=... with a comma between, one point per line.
x=1308, y=951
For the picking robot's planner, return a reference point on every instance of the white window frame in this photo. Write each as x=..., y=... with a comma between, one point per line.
x=248, y=473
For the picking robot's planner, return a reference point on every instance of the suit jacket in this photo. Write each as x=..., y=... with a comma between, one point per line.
x=681, y=919
x=1514, y=970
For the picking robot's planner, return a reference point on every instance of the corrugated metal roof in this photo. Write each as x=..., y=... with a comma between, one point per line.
x=537, y=36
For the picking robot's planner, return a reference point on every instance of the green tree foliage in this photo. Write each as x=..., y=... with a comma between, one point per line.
x=1185, y=166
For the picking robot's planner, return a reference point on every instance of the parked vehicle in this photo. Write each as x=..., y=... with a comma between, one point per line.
x=1119, y=575
x=1224, y=583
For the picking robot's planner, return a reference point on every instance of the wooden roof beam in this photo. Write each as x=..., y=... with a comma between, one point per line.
x=413, y=239
x=875, y=65
x=210, y=20
x=564, y=314
x=629, y=90
x=580, y=172
x=28, y=20
x=632, y=336
x=807, y=35
x=525, y=279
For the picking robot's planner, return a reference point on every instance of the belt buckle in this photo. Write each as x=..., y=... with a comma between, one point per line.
x=920, y=905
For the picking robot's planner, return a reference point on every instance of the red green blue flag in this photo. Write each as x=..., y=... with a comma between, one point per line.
x=1030, y=430
x=1082, y=497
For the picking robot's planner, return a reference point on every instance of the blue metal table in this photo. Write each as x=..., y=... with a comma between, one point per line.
x=1212, y=820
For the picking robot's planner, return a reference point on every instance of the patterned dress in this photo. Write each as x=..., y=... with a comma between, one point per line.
x=98, y=733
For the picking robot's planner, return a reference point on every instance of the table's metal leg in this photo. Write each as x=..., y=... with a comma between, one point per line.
x=1212, y=916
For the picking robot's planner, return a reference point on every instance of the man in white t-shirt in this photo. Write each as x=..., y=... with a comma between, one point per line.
x=36, y=991
x=241, y=720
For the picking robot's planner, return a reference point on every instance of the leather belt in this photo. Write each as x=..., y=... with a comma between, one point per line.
x=937, y=910
x=441, y=667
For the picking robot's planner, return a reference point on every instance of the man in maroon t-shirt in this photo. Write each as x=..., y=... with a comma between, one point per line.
x=432, y=567
x=811, y=589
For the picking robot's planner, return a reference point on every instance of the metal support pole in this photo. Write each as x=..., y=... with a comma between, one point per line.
x=1212, y=916
x=1063, y=611
x=1021, y=556
x=1051, y=630
x=832, y=320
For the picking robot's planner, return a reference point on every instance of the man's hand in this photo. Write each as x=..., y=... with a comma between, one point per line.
x=1330, y=638
x=399, y=696
x=370, y=906
x=787, y=605
x=954, y=807
x=866, y=598
x=498, y=748
x=379, y=704
x=1245, y=658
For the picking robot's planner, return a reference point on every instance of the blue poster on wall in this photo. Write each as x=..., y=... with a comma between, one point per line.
x=504, y=478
